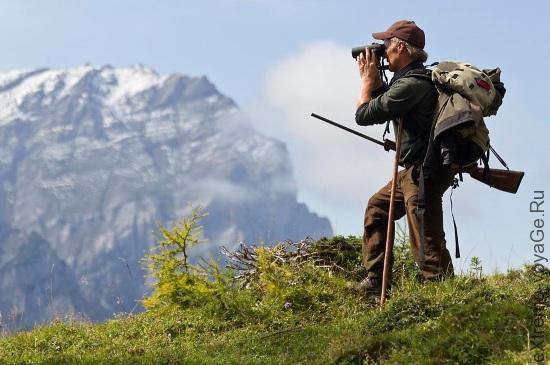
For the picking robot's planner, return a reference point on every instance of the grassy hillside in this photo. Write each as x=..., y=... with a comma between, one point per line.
x=292, y=305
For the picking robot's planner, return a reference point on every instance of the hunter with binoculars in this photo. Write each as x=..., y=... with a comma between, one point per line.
x=437, y=117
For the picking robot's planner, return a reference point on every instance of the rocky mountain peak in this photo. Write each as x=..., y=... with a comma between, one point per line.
x=95, y=157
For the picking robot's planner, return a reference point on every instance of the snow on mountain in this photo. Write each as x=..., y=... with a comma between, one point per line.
x=94, y=158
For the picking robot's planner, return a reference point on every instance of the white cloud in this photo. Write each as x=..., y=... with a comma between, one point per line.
x=211, y=188
x=336, y=171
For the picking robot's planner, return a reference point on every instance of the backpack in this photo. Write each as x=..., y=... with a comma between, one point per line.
x=466, y=94
x=458, y=136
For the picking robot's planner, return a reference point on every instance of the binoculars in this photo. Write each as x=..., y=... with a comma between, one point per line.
x=377, y=48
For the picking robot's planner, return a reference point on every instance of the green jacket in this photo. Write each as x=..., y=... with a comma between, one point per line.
x=412, y=98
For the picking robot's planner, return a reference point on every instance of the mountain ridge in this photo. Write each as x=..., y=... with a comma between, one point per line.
x=95, y=157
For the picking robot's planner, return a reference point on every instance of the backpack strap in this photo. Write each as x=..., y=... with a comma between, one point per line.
x=485, y=159
x=457, y=248
x=420, y=73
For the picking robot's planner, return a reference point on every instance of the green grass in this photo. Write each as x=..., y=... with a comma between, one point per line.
x=463, y=320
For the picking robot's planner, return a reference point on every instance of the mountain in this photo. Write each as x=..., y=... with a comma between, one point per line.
x=36, y=284
x=93, y=159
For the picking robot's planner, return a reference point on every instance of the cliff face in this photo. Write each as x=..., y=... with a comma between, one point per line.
x=94, y=158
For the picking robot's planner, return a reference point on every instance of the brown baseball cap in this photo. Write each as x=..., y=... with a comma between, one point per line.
x=406, y=30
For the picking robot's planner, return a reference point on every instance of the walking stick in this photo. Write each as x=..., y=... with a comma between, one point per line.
x=389, y=234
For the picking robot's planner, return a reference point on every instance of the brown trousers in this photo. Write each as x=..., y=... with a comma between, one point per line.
x=437, y=260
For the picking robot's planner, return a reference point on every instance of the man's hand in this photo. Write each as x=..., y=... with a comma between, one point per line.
x=370, y=77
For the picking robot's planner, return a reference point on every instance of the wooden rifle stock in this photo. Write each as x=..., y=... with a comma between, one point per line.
x=505, y=180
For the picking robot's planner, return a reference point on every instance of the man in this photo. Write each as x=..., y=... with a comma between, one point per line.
x=413, y=99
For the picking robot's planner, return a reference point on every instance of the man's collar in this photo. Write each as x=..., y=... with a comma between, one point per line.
x=411, y=66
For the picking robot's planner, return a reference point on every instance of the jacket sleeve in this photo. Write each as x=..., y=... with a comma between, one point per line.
x=397, y=101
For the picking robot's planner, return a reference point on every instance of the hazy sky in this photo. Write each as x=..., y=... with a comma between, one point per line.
x=281, y=60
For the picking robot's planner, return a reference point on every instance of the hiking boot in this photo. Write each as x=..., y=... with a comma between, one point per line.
x=369, y=285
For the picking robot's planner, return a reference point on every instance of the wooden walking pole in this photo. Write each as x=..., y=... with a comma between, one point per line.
x=389, y=234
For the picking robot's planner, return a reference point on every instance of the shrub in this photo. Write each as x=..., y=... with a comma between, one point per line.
x=175, y=280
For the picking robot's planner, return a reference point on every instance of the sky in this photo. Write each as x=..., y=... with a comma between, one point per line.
x=282, y=60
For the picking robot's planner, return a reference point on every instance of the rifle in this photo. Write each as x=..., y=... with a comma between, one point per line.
x=505, y=180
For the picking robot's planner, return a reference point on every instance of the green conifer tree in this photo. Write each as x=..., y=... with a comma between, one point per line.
x=176, y=281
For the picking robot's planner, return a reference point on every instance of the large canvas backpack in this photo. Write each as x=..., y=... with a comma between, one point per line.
x=466, y=94
x=459, y=136
x=469, y=81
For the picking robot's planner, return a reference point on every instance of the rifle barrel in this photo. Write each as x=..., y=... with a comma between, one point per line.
x=347, y=129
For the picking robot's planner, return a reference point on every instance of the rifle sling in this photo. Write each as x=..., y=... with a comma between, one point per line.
x=500, y=159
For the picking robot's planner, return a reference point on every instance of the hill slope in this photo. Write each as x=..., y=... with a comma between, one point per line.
x=300, y=311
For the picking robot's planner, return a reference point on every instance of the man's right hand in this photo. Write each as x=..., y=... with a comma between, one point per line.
x=370, y=77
